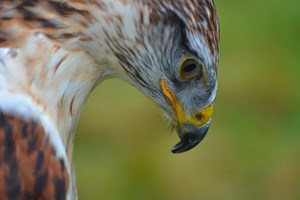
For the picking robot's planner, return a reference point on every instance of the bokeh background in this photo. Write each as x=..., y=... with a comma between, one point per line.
x=252, y=150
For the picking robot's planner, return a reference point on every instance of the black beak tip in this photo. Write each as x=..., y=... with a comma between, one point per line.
x=190, y=137
x=183, y=146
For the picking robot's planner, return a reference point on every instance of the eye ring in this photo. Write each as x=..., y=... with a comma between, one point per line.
x=190, y=69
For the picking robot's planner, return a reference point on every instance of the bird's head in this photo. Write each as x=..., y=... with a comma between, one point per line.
x=171, y=53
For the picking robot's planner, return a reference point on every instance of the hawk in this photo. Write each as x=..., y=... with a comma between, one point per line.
x=54, y=52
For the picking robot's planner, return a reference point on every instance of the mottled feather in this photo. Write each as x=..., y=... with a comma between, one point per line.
x=29, y=167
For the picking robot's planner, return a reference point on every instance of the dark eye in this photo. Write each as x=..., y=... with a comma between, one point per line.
x=190, y=69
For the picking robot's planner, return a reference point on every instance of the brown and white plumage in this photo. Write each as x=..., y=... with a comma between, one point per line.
x=29, y=166
x=54, y=52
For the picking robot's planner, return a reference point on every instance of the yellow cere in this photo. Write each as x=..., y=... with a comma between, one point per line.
x=198, y=120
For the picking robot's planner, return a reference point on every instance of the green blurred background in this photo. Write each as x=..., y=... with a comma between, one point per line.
x=252, y=150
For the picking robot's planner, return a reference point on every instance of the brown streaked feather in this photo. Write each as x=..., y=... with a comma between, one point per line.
x=64, y=21
x=58, y=20
x=195, y=16
x=29, y=168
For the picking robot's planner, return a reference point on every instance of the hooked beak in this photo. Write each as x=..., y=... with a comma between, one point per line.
x=191, y=130
x=190, y=136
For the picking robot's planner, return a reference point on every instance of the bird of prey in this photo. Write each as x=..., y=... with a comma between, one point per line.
x=54, y=52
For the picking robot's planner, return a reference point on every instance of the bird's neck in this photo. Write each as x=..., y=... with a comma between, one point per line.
x=57, y=82
x=50, y=71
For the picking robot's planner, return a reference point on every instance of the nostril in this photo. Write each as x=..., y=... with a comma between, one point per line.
x=199, y=116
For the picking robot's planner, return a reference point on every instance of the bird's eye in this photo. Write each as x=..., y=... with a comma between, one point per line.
x=190, y=69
